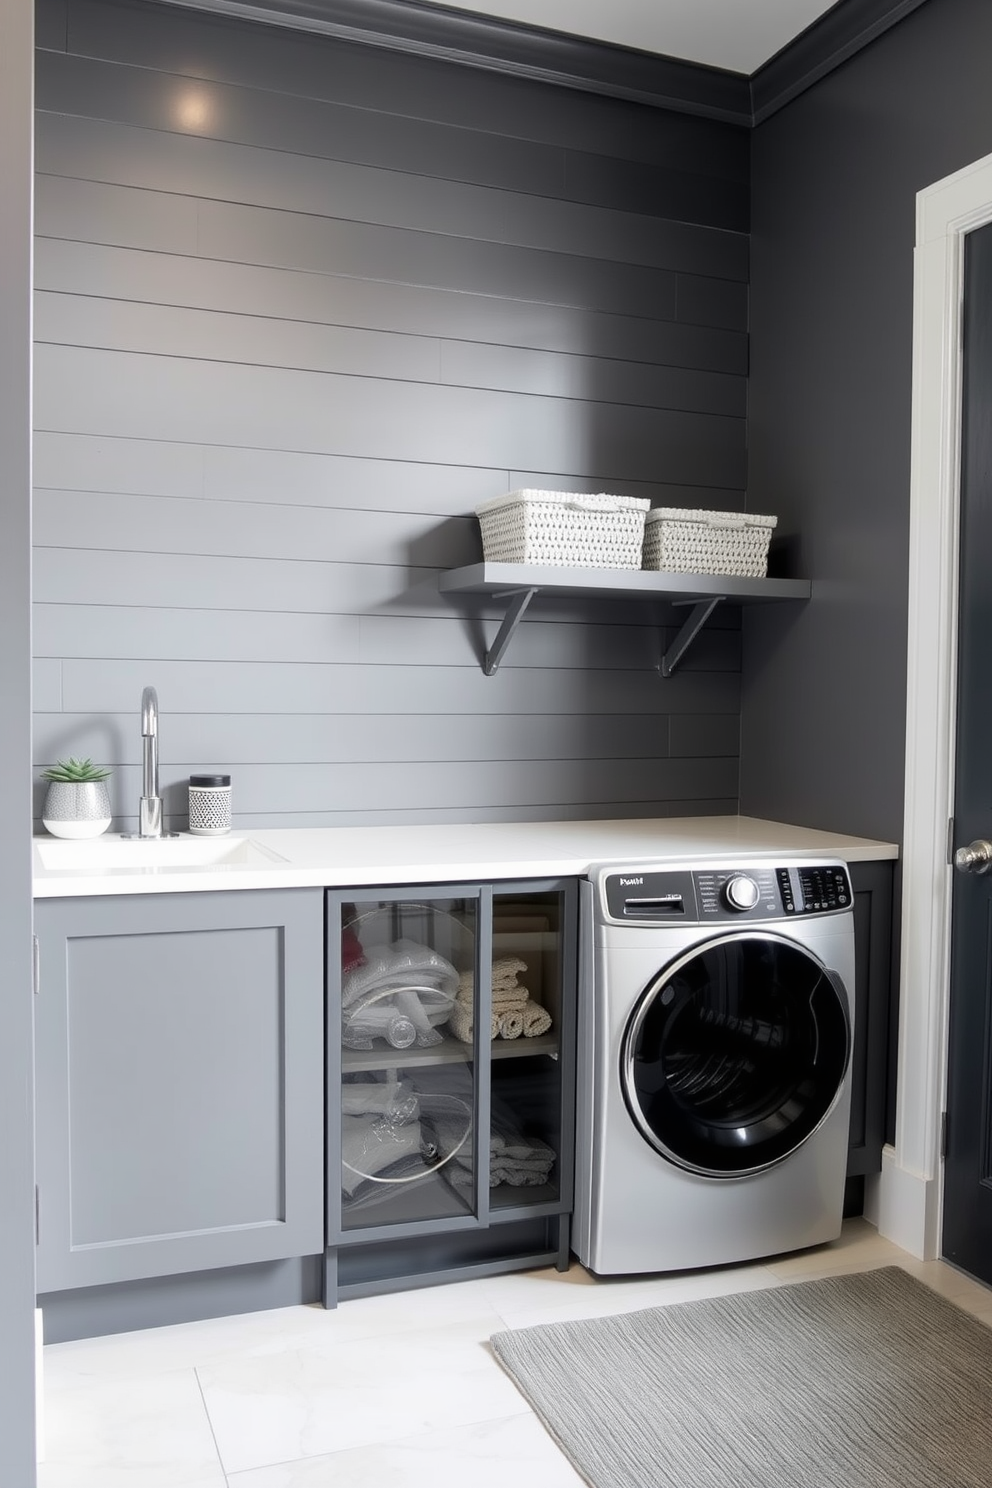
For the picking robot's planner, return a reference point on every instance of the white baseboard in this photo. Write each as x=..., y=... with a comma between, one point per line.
x=905, y=1207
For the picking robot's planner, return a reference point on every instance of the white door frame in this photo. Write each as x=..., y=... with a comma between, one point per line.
x=905, y=1201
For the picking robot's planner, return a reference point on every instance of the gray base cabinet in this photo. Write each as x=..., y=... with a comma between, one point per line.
x=450, y=1063
x=179, y=1052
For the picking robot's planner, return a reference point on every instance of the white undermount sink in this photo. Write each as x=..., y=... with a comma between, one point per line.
x=114, y=854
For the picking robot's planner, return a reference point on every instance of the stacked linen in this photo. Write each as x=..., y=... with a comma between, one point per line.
x=515, y=1159
x=381, y=1137
x=398, y=992
x=514, y=1011
x=401, y=1131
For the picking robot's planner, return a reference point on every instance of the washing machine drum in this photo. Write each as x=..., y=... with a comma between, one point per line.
x=735, y=1054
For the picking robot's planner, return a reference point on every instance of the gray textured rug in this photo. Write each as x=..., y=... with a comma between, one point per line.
x=865, y=1381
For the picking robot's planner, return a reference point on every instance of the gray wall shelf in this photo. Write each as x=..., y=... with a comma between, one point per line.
x=518, y=583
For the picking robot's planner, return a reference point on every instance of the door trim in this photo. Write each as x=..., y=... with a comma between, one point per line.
x=907, y=1197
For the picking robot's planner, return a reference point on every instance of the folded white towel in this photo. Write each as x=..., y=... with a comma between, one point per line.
x=505, y=968
x=537, y=1020
x=511, y=1024
x=503, y=981
x=461, y=1022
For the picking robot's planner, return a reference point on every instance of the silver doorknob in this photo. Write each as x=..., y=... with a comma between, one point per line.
x=975, y=858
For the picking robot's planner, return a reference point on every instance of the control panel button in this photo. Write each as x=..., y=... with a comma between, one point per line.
x=741, y=892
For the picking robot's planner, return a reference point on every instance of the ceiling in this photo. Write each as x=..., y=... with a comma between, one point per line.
x=737, y=35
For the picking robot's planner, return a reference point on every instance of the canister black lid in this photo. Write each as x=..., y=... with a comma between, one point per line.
x=210, y=780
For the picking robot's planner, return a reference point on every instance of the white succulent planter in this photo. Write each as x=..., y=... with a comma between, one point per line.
x=76, y=808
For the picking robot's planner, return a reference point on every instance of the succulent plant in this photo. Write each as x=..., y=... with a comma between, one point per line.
x=75, y=771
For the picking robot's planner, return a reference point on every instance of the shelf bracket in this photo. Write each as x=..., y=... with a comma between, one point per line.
x=701, y=611
x=519, y=599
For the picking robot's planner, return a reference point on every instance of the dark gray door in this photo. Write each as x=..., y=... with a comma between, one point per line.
x=967, y=1232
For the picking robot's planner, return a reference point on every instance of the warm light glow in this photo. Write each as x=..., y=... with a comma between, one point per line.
x=193, y=111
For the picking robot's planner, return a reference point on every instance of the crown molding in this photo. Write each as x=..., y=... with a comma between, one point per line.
x=830, y=41
x=504, y=46
x=567, y=61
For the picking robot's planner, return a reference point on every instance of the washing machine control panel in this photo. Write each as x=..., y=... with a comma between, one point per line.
x=738, y=893
x=814, y=889
x=751, y=891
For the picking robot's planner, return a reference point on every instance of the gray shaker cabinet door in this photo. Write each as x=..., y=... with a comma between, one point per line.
x=179, y=1043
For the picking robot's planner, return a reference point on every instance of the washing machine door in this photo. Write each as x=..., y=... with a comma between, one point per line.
x=735, y=1054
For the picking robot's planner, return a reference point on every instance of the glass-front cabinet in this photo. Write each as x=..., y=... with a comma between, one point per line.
x=450, y=1053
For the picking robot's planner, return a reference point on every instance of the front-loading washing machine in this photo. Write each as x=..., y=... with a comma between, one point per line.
x=713, y=1096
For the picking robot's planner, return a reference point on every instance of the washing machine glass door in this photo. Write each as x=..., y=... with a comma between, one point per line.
x=735, y=1053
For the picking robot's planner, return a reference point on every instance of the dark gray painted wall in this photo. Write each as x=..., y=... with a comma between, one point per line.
x=17, y=1432
x=300, y=306
x=835, y=177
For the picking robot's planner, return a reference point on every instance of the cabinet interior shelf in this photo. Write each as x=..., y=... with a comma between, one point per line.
x=451, y=1051
x=517, y=584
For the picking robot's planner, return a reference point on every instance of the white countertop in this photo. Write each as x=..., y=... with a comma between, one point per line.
x=339, y=857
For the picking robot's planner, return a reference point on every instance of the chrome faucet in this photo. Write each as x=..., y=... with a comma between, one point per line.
x=150, y=809
x=150, y=805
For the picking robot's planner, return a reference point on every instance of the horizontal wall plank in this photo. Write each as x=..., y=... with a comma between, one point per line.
x=50, y=23
x=600, y=809
x=219, y=583
x=692, y=734
x=427, y=257
x=226, y=741
x=150, y=397
x=325, y=298
x=177, y=525
x=306, y=126
x=659, y=493
x=214, y=171
x=683, y=193
x=256, y=340
x=712, y=302
x=594, y=379
x=46, y=683
x=380, y=787
x=366, y=78
x=110, y=631
x=100, y=687
x=78, y=320
x=95, y=212
x=85, y=462
x=303, y=586
x=315, y=127
x=250, y=340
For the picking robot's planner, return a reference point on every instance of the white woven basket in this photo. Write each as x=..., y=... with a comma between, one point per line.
x=563, y=529
x=707, y=542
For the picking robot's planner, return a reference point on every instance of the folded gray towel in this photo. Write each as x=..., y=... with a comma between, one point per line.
x=518, y=1175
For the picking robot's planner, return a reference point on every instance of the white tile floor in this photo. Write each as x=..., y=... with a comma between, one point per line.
x=399, y=1390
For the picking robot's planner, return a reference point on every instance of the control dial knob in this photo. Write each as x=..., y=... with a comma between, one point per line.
x=741, y=892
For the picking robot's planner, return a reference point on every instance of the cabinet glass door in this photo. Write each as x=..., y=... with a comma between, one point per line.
x=526, y=1125
x=408, y=1093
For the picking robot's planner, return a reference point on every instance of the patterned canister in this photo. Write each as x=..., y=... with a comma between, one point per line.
x=209, y=805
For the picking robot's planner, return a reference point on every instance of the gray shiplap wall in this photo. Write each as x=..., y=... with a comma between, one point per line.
x=301, y=304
